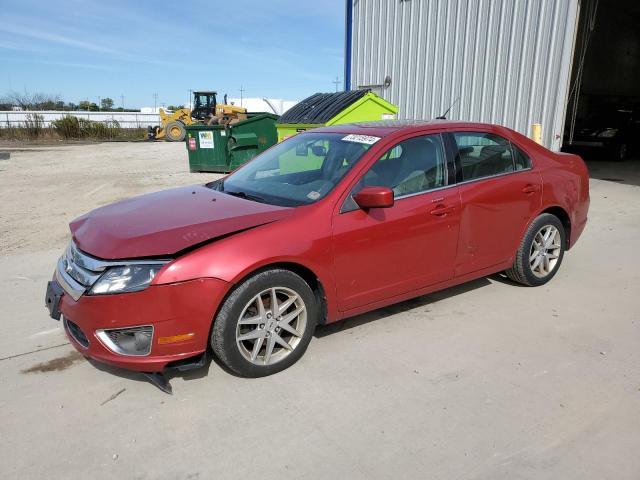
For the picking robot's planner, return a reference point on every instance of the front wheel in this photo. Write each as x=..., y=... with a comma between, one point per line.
x=620, y=152
x=175, y=131
x=266, y=324
x=540, y=253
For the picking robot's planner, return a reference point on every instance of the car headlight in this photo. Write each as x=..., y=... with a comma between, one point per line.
x=125, y=278
x=608, y=133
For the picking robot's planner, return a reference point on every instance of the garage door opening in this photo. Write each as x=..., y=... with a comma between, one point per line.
x=603, y=112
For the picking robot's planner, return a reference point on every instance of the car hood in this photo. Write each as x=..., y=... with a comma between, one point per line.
x=593, y=132
x=163, y=223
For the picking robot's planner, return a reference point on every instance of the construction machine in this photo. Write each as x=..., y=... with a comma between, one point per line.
x=205, y=111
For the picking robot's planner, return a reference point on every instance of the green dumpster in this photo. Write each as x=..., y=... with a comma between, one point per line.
x=207, y=148
x=222, y=148
x=324, y=109
x=250, y=137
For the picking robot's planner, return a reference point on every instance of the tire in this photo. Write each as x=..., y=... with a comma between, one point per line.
x=620, y=152
x=529, y=270
x=174, y=131
x=238, y=353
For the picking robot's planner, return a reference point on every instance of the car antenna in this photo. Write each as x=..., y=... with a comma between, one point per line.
x=444, y=115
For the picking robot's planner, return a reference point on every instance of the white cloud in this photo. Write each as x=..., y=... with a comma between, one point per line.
x=55, y=38
x=91, y=66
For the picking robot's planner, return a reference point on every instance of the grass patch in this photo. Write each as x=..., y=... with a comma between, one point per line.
x=71, y=128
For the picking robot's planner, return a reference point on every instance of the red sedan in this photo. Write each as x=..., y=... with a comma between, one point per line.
x=326, y=225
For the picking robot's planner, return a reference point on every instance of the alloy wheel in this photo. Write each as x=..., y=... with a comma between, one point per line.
x=545, y=251
x=622, y=151
x=271, y=325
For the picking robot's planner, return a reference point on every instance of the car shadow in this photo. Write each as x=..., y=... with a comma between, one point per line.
x=502, y=278
x=195, y=374
x=118, y=372
x=362, y=319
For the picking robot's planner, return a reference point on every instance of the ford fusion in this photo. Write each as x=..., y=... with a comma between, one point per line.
x=325, y=225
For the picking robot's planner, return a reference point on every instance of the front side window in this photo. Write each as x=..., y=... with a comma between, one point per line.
x=483, y=154
x=298, y=171
x=412, y=166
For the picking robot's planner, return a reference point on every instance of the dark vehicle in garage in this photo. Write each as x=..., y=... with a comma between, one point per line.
x=328, y=224
x=612, y=133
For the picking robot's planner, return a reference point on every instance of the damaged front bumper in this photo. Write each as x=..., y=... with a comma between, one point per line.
x=178, y=317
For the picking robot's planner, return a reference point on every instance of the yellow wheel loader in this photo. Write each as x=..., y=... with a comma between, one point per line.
x=205, y=110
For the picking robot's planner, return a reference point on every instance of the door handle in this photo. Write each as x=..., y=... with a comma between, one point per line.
x=442, y=210
x=530, y=189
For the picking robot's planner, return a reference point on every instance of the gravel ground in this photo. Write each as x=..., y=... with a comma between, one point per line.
x=51, y=185
x=486, y=380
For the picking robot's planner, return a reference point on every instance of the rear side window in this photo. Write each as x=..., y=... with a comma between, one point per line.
x=520, y=159
x=483, y=154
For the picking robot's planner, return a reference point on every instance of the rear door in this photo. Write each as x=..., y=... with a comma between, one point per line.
x=499, y=194
x=384, y=252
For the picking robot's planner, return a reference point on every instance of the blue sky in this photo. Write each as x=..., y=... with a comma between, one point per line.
x=85, y=49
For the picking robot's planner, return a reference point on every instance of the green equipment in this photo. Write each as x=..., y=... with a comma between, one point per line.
x=222, y=148
x=325, y=109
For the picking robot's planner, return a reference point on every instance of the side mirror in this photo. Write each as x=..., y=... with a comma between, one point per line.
x=374, y=197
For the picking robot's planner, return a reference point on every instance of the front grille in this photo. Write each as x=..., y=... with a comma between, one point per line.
x=77, y=272
x=76, y=332
x=82, y=268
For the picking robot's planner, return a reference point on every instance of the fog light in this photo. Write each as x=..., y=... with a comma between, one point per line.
x=128, y=341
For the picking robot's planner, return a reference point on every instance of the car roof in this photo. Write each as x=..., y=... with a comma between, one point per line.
x=382, y=128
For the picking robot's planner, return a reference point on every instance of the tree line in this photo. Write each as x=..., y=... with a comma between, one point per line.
x=42, y=101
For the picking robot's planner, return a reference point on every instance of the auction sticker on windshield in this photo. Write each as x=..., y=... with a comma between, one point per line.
x=367, y=139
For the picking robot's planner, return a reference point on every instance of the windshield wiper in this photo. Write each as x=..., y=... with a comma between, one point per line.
x=216, y=185
x=247, y=196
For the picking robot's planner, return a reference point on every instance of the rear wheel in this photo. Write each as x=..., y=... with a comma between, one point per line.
x=620, y=152
x=175, y=131
x=266, y=324
x=540, y=253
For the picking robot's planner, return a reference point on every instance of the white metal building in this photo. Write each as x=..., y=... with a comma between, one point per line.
x=509, y=62
x=11, y=118
x=259, y=104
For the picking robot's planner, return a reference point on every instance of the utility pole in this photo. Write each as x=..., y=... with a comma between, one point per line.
x=155, y=102
x=122, y=101
x=189, y=100
x=242, y=90
x=99, y=103
x=336, y=82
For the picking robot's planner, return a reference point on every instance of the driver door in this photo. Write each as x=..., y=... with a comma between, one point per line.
x=385, y=252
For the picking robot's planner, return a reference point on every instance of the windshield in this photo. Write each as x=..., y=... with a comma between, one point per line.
x=299, y=171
